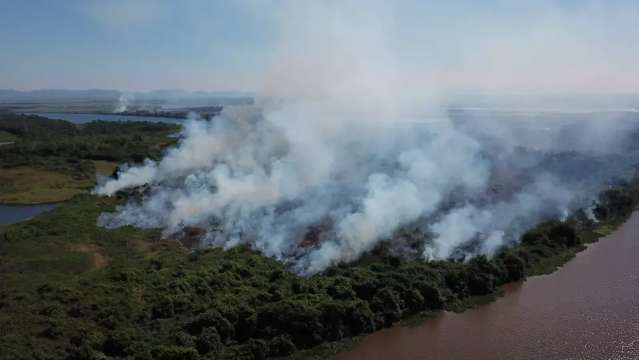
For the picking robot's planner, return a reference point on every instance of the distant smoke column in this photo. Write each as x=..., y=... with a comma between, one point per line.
x=122, y=105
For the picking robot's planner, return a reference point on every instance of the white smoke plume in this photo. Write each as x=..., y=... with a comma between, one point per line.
x=266, y=176
x=347, y=145
x=123, y=104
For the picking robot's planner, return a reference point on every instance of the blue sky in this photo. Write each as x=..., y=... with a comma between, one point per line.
x=117, y=44
x=231, y=45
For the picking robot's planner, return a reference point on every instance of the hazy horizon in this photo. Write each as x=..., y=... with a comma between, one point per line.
x=559, y=46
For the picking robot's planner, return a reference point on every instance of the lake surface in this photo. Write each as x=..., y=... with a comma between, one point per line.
x=86, y=118
x=589, y=309
x=10, y=214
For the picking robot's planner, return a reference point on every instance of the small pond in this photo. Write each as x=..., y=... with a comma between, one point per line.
x=10, y=214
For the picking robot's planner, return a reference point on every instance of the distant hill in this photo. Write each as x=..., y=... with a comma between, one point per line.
x=183, y=94
x=57, y=95
x=62, y=95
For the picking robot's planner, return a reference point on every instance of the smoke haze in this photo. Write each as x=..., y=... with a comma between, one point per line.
x=349, y=143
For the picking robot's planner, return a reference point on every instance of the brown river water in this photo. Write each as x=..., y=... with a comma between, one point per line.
x=588, y=309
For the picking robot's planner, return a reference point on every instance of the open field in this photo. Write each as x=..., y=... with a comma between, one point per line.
x=25, y=185
x=28, y=185
x=105, y=168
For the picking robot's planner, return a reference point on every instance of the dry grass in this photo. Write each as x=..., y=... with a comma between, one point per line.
x=105, y=168
x=25, y=185
x=98, y=260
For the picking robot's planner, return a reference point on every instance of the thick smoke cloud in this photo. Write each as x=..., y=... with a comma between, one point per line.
x=266, y=177
x=346, y=147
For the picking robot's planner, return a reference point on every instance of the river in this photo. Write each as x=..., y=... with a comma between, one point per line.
x=10, y=214
x=86, y=118
x=588, y=309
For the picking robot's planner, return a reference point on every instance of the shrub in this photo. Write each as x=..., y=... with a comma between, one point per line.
x=208, y=341
x=432, y=296
x=515, y=267
x=211, y=318
x=174, y=353
x=388, y=305
x=281, y=346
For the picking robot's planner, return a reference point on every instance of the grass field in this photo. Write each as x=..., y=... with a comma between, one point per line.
x=105, y=168
x=28, y=185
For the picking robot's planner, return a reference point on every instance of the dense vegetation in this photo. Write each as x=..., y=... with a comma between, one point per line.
x=52, y=160
x=72, y=290
x=42, y=141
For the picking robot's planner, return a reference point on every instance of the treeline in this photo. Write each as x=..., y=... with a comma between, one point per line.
x=53, y=143
x=31, y=127
x=163, y=304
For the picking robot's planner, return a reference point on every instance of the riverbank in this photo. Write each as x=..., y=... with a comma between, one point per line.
x=359, y=347
x=585, y=310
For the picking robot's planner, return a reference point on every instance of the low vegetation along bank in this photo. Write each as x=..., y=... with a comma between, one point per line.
x=72, y=290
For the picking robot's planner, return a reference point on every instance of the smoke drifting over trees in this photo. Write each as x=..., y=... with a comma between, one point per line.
x=349, y=144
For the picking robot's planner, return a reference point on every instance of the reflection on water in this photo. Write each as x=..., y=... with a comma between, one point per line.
x=87, y=118
x=10, y=214
x=589, y=309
